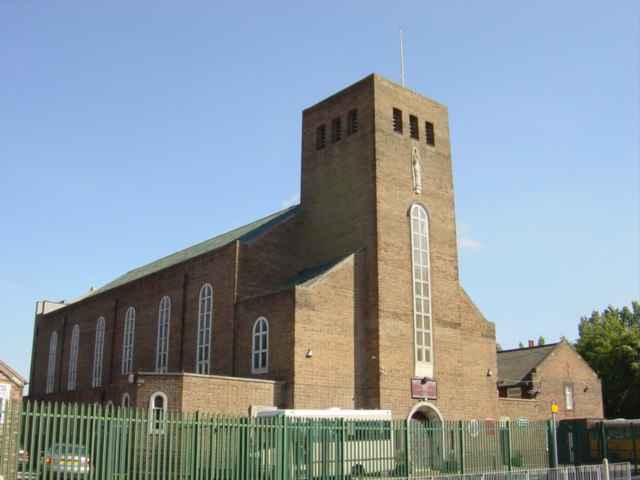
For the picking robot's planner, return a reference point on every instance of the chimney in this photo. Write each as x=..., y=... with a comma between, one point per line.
x=531, y=344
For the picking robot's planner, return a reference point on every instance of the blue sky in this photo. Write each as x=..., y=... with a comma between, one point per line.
x=131, y=130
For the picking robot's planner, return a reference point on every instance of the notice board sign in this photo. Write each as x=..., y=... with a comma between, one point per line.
x=425, y=388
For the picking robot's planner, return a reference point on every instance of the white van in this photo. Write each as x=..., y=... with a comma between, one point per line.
x=332, y=442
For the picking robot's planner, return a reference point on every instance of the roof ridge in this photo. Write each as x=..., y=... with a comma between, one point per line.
x=243, y=233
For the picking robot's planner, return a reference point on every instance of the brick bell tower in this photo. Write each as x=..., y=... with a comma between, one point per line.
x=377, y=183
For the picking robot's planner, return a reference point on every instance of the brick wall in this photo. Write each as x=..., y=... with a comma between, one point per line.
x=565, y=366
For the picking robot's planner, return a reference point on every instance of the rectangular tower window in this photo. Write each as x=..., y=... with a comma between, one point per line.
x=413, y=126
x=428, y=134
x=321, y=137
x=336, y=130
x=352, y=122
x=397, y=120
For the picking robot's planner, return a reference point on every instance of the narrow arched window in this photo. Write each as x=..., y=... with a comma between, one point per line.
x=127, y=340
x=98, y=348
x=73, y=358
x=204, y=330
x=260, y=350
x=162, y=349
x=51, y=367
x=126, y=400
x=422, y=326
x=157, y=412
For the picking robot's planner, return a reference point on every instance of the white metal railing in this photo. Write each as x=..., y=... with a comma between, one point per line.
x=606, y=471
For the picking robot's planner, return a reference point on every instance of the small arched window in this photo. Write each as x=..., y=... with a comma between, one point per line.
x=260, y=349
x=162, y=349
x=73, y=358
x=157, y=412
x=126, y=401
x=203, y=351
x=51, y=367
x=98, y=348
x=127, y=341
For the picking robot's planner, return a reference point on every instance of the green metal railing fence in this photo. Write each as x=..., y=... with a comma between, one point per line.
x=127, y=443
x=585, y=441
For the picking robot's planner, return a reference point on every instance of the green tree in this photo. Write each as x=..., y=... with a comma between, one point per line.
x=610, y=343
x=541, y=341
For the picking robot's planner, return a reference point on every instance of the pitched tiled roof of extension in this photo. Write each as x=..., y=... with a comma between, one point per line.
x=515, y=366
x=243, y=234
x=307, y=277
x=14, y=376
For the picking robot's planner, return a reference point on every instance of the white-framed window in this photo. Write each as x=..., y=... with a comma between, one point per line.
x=98, y=348
x=51, y=367
x=157, y=412
x=514, y=392
x=204, y=330
x=5, y=395
x=422, y=326
x=164, y=320
x=260, y=349
x=568, y=397
x=73, y=358
x=127, y=340
x=126, y=400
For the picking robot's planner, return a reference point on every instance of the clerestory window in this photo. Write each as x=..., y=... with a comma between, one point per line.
x=162, y=347
x=51, y=367
x=203, y=350
x=73, y=358
x=127, y=341
x=98, y=348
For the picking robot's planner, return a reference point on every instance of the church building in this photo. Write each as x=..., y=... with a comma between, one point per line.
x=350, y=299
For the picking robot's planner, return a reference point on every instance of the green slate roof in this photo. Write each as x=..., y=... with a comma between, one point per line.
x=243, y=234
x=515, y=366
x=310, y=275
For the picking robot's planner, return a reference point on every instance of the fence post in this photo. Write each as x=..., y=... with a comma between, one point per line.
x=461, y=442
x=605, y=463
x=508, y=445
x=603, y=439
x=407, y=448
x=553, y=446
x=634, y=445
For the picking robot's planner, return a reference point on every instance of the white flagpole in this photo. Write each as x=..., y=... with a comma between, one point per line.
x=401, y=61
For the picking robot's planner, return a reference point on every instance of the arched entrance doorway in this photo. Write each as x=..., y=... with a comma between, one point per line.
x=425, y=436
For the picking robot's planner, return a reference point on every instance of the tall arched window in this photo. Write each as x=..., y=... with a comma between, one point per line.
x=260, y=349
x=73, y=358
x=51, y=367
x=204, y=329
x=422, y=326
x=157, y=412
x=162, y=349
x=127, y=341
x=98, y=348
